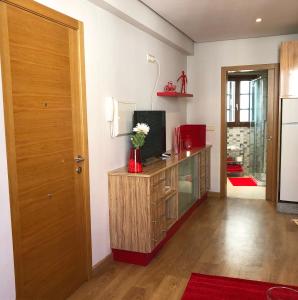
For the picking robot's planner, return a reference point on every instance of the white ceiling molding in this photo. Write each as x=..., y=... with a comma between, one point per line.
x=142, y=17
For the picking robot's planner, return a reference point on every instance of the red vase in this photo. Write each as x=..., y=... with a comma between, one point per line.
x=135, y=163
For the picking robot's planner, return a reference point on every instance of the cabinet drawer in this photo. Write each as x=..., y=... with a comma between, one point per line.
x=157, y=194
x=158, y=179
x=157, y=209
x=158, y=230
x=203, y=159
x=202, y=187
x=158, y=218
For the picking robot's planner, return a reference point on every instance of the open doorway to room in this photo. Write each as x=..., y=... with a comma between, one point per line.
x=249, y=132
x=246, y=134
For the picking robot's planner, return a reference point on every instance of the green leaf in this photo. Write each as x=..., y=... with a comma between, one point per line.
x=138, y=139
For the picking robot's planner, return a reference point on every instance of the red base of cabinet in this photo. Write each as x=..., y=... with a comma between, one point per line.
x=143, y=259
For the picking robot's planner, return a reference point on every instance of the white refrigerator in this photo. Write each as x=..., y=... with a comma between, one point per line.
x=289, y=152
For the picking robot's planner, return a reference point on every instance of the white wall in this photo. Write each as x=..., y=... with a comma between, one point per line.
x=204, y=70
x=115, y=57
x=7, y=285
x=142, y=17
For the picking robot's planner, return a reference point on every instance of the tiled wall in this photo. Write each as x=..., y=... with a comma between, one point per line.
x=239, y=137
x=254, y=156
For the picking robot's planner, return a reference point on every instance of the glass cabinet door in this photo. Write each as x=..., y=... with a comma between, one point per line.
x=188, y=189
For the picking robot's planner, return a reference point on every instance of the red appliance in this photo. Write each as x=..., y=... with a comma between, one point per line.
x=193, y=136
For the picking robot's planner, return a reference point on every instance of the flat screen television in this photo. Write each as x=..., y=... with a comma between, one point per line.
x=155, y=143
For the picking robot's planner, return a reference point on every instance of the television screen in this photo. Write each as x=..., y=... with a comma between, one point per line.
x=155, y=142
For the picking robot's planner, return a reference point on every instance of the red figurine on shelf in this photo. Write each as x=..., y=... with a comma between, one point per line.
x=183, y=79
x=170, y=87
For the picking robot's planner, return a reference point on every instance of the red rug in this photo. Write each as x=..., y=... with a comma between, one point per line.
x=207, y=287
x=243, y=181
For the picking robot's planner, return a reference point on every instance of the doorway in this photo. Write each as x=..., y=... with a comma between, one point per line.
x=41, y=55
x=249, y=132
x=246, y=134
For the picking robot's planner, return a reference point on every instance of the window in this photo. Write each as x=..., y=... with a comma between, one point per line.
x=231, y=101
x=238, y=100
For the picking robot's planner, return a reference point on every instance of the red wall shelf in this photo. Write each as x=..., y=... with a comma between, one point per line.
x=173, y=94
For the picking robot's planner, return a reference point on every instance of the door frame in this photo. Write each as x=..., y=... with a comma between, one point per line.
x=272, y=119
x=78, y=76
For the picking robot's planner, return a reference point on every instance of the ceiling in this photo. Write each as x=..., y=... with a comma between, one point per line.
x=216, y=20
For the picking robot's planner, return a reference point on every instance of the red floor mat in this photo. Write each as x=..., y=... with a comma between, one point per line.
x=207, y=287
x=243, y=181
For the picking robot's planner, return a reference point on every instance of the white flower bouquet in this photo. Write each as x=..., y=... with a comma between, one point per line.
x=139, y=134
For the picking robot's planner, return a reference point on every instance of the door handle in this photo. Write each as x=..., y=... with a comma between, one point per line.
x=269, y=138
x=79, y=158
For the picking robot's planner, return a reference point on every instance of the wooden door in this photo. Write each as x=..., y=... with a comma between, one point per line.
x=272, y=135
x=45, y=117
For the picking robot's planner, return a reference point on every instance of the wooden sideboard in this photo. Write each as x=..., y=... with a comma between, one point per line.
x=147, y=208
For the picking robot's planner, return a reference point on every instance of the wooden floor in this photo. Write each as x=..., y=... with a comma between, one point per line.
x=234, y=237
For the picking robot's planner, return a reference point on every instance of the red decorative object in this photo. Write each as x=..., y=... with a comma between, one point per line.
x=173, y=94
x=193, y=136
x=183, y=79
x=243, y=181
x=234, y=168
x=177, y=141
x=187, y=144
x=230, y=159
x=209, y=287
x=143, y=259
x=135, y=163
x=170, y=87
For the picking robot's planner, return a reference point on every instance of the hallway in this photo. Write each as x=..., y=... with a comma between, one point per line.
x=235, y=237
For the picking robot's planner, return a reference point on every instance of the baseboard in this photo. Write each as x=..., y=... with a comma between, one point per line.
x=288, y=208
x=98, y=268
x=213, y=194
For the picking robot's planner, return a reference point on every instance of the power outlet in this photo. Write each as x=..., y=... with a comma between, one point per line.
x=151, y=58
